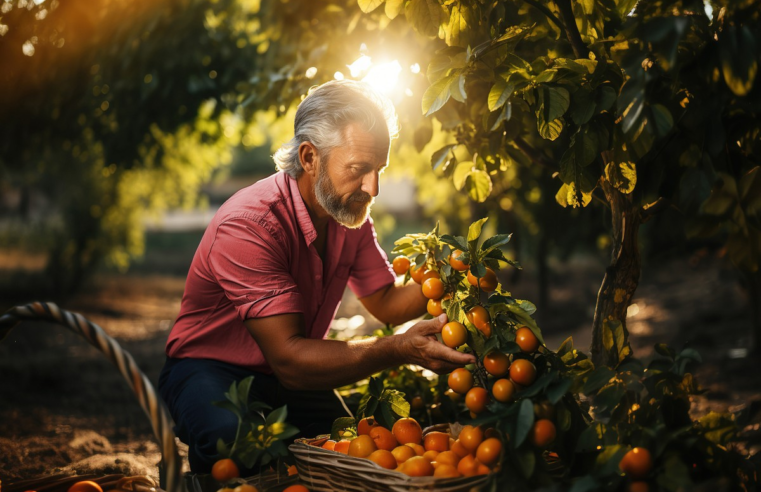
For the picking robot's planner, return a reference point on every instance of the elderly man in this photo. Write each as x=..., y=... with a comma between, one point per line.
x=269, y=274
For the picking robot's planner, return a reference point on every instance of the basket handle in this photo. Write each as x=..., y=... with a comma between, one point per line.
x=150, y=402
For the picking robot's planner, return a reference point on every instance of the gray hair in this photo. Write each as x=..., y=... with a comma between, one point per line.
x=324, y=114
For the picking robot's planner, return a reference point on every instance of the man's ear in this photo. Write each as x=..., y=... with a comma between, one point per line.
x=309, y=158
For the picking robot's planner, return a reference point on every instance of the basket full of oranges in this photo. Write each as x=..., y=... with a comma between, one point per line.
x=400, y=459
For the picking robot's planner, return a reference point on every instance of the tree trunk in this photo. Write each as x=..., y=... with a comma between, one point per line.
x=621, y=276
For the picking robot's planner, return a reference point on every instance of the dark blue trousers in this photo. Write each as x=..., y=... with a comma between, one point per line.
x=188, y=386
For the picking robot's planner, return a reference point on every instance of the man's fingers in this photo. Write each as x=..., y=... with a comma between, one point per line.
x=431, y=326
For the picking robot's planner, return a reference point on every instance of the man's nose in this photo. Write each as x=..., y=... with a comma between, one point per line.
x=370, y=183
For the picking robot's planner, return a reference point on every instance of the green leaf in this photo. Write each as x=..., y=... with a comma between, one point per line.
x=437, y=95
x=277, y=416
x=426, y=16
x=661, y=120
x=605, y=97
x=474, y=231
x=739, y=58
x=718, y=428
x=582, y=106
x=457, y=242
x=479, y=185
x=393, y=8
x=597, y=379
x=228, y=405
x=557, y=390
x=525, y=421
x=665, y=350
x=460, y=20
x=495, y=242
x=460, y=175
x=369, y=5
x=385, y=416
x=441, y=156
x=587, y=483
x=500, y=93
x=222, y=448
x=526, y=461
x=623, y=176
x=553, y=102
x=398, y=404
x=551, y=130
x=375, y=387
x=568, y=194
x=457, y=89
x=340, y=424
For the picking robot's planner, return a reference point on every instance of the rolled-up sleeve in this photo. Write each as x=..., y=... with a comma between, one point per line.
x=253, y=269
x=371, y=270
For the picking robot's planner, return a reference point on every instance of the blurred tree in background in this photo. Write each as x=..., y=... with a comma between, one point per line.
x=619, y=111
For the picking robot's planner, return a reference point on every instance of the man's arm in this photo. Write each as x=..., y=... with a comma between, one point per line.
x=396, y=304
x=308, y=364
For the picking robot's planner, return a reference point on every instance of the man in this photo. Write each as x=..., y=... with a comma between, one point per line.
x=267, y=278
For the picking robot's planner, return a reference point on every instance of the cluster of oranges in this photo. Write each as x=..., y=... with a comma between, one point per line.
x=225, y=470
x=434, y=288
x=405, y=449
x=637, y=464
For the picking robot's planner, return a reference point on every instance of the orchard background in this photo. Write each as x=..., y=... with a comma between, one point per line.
x=618, y=141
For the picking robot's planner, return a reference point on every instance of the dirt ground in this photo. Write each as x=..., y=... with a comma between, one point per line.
x=64, y=407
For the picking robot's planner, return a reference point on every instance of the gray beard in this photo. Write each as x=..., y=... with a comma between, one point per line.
x=342, y=213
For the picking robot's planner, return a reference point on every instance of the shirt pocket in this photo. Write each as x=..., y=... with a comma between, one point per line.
x=343, y=271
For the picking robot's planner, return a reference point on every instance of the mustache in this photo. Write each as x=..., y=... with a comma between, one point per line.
x=361, y=197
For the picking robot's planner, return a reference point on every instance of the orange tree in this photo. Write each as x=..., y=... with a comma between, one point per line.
x=562, y=420
x=637, y=107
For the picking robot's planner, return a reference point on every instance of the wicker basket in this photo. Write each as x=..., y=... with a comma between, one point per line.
x=324, y=470
x=149, y=400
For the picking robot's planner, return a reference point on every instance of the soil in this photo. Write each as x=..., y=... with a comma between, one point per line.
x=64, y=407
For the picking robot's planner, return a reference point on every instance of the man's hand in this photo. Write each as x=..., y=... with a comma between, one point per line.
x=419, y=346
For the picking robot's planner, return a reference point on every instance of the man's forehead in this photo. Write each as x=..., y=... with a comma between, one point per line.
x=359, y=140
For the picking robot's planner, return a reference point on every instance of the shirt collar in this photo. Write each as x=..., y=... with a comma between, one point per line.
x=302, y=214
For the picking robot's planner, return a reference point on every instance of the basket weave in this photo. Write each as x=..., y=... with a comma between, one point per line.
x=324, y=470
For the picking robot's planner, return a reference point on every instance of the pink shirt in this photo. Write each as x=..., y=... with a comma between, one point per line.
x=256, y=259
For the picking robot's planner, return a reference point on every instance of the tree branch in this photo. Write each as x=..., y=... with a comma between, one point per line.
x=549, y=15
x=650, y=210
x=536, y=156
x=572, y=31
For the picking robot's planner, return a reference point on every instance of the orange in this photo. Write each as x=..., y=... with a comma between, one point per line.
x=485, y=330
x=401, y=265
x=383, y=458
x=476, y=399
x=460, y=380
x=526, y=340
x=489, y=450
x=431, y=455
x=246, y=487
x=445, y=470
x=488, y=282
x=447, y=458
x=223, y=470
x=430, y=274
x=90, y=486
x=455, y=263
x=468, y=466
x=637, y=463
x=364, y=426
x=342, y=446
x=407, y=430
x=434, y=307
x=417, y=403
x=331, y=445
x=417, y=273
x=292, y=470
x=362, y=446
x=419, y=450
x=296, y=488
x=471, y=437
x=496, y=363
x=383, y=438
x=523, y=372
x=417, y=466
x=454, y=334
x=543, y=433
x=482, y=469
x=503, y=390
x=478, y=317
x=433, y=288
x=403, y=453
x=633, y=487
x=544, y=410
x=436, y=441
x=459, y=449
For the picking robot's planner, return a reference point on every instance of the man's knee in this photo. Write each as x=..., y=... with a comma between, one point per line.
x=202, y=440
